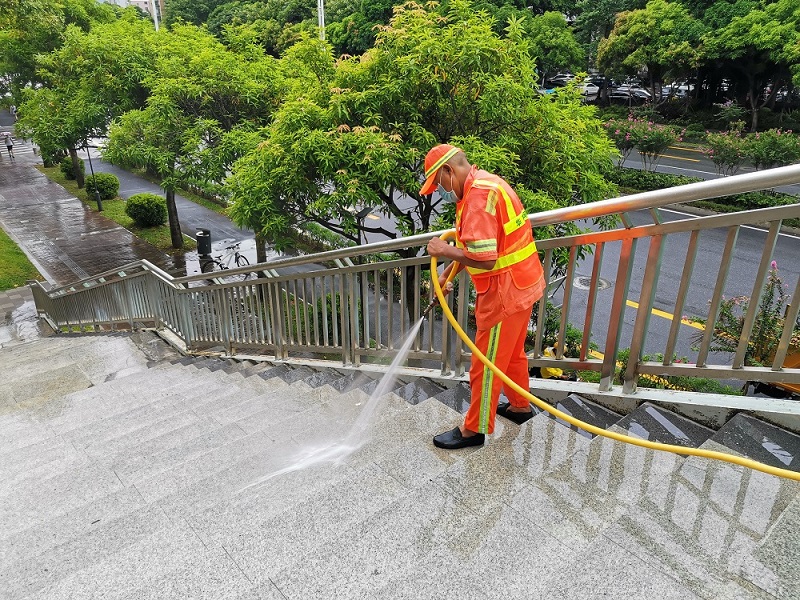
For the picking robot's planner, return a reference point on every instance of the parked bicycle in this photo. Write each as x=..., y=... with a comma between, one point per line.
x=230, y=259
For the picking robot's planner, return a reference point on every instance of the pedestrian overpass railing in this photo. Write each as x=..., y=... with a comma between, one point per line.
x=356, y=305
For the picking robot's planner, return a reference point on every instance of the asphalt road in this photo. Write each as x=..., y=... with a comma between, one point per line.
x=683, y=160
x=746, y=260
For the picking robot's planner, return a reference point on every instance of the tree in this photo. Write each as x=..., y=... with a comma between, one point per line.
x=32, y=27
x=662, y=38
x=195, y=12
x=92, y=78
x=553, y=45
x=201, y=92
x=761, y=47
x=596, y=18
x=356, y=131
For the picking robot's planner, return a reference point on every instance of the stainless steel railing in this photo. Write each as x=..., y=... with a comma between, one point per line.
x=326, y=306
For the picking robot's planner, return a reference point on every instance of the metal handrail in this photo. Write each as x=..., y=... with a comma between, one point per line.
x=356, y=311
x=690, y=192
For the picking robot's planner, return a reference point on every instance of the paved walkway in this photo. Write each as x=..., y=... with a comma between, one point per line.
x=67, y=241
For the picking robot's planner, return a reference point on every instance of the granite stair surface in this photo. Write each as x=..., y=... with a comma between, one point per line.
x=128, y=471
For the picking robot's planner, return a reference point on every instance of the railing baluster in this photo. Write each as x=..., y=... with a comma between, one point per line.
x=542, y=315
x=716, y=298
x=640, y=327
x=390, y=308
x=683, y=289
x=314, y=310
x=592, y=300
x=617, y=311
x=562, y=331
x=755, y=297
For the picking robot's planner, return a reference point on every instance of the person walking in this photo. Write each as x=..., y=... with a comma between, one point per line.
x=494, y=242
x=9, y=144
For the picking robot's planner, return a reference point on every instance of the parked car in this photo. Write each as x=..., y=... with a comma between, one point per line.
x=589, y=91
x=635, y=90
x=629, y=97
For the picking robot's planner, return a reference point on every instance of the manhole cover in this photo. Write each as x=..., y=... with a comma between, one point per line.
x=585, y=283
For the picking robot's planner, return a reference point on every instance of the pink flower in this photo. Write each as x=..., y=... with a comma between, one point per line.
x=773, y=264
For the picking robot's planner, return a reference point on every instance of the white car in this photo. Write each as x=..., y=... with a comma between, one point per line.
x=589, y=91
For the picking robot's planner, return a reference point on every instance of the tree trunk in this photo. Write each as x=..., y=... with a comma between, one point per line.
x=76, y=167
x=174, y=224
x=261, y=248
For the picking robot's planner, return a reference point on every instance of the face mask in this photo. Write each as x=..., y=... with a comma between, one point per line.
x=446, y=196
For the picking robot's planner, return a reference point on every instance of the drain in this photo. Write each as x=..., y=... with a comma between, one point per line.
x=585, y=283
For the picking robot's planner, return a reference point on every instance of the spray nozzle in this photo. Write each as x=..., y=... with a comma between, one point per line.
x=429, y=308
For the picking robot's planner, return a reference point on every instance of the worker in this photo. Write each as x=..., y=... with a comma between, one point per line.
x=494, y=242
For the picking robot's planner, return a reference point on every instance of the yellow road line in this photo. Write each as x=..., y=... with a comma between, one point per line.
x=680, y=158
x=686, y=149
x=666, y=315
x=597, y=354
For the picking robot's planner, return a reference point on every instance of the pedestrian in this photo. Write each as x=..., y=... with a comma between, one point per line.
x=9, y=144
x=13, y=110
x=494, y=242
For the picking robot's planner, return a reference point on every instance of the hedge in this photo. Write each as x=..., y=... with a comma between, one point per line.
x=147, y=210
x=106, y=183
x=67, y=168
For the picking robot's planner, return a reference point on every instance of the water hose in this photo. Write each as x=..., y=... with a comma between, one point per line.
x=713, y=454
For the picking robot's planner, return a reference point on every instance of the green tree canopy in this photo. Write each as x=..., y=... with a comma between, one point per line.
x=553, y=45
x=662, y=38
x=356, y=133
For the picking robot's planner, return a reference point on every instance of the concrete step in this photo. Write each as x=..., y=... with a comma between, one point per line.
x=761, y=441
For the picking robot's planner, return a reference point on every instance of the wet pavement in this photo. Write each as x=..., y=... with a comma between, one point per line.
x=18, y=319
x=67, y=241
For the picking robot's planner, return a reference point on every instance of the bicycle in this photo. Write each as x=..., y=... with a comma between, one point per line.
x=223, y=262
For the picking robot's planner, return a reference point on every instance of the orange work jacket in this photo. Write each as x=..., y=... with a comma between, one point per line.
x=491, y=224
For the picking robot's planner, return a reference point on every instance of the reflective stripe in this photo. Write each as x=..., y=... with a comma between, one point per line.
x=507, y=260
x=488, y=380
x=479, y=246
x=514, y=222
x=450, y=154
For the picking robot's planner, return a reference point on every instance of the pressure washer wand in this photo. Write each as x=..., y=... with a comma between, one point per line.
x=433, y=303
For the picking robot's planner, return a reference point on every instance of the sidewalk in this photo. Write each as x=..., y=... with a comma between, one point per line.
x=67, y=241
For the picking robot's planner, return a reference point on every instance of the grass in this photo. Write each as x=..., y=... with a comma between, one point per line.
x=189, y=195
x=115, y=210
x=15, y=268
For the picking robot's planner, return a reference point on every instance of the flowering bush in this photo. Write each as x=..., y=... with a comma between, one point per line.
x=649, y=139
x=726, y=150
x=767, y=327
x=773, y=148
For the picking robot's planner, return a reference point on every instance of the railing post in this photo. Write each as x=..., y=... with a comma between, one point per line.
x=649, y=284
x=609, y=366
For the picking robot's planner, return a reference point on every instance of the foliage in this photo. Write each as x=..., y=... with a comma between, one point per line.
x=352, y=133
x=146, y=210
x=68, y=168
x=15, y=268
x=772, y=148
x=731, y=113
x=650, y=139
x=648, y=180
x=105, y=183
x=662, y=37
x=767, y=327
x=553, y=45
x=726, y=150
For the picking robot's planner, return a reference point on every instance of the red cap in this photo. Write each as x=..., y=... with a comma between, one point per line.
x=436, y=157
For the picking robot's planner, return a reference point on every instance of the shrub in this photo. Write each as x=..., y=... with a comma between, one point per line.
x=726, y=150
x=68, y=169
x=649, y=138
x=147, y=210
x=772, y=148
x=648, y=180
x=105, y=183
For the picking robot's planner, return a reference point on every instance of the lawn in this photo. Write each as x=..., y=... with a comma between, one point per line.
x=115, y=210
x=15, y=268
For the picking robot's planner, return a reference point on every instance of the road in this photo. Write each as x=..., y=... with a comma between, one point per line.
x=747, y=257
x=683, y=160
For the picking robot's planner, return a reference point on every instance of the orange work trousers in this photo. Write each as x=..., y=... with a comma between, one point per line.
x=504, y=345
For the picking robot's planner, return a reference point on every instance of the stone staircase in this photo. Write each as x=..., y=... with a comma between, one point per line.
x=128, y=471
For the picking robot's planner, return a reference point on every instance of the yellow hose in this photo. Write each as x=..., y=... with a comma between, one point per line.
x=730, y=458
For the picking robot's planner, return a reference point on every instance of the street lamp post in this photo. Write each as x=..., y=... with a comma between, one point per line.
x=94, y=183
x=321, y=18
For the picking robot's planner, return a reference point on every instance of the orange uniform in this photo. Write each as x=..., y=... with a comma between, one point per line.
x=491, y=224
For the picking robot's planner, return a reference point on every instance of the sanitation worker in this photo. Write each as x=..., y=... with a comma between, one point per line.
x=494, y=242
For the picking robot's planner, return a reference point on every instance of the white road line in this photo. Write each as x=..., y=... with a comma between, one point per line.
x=685, y=214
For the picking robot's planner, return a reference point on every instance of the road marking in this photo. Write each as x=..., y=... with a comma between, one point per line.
x=764, y=231
x=686, y=149
x=680, y=158
x=373, y=217
x=666, y=315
